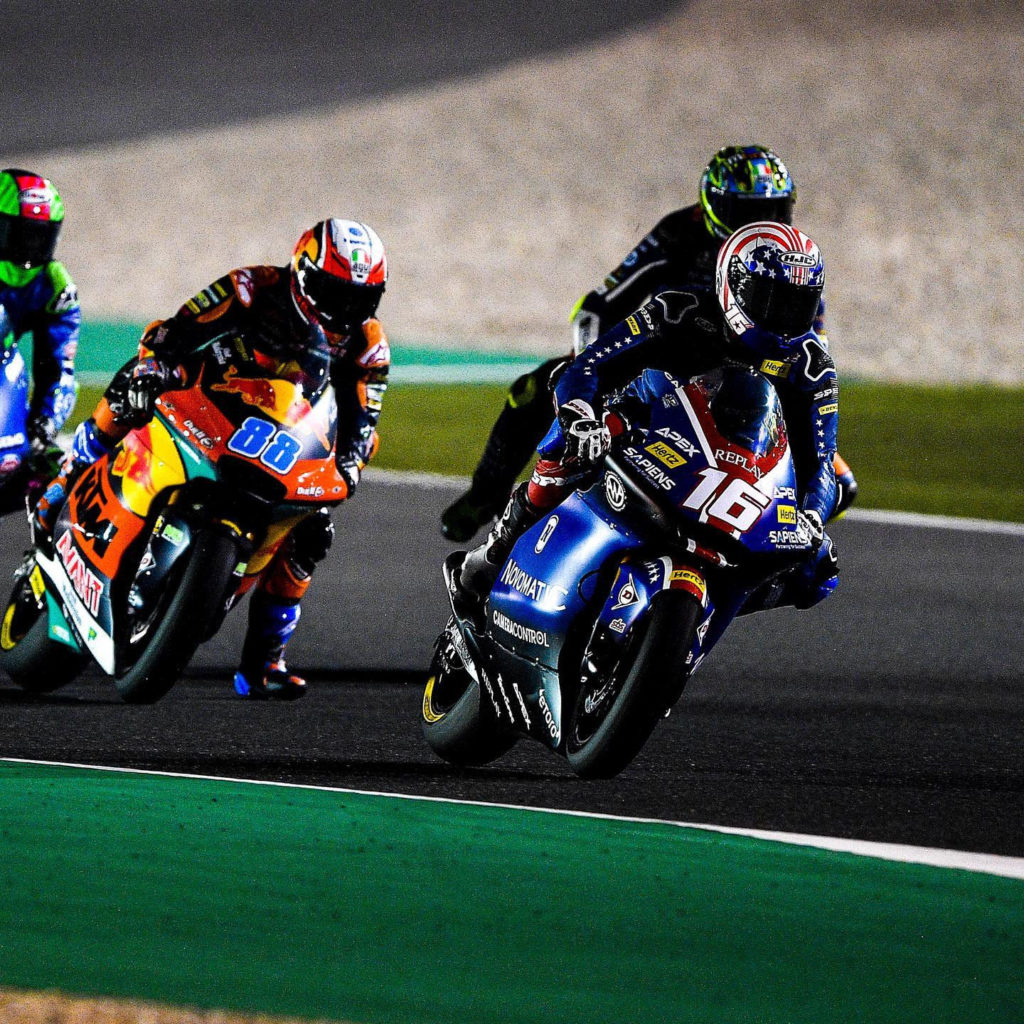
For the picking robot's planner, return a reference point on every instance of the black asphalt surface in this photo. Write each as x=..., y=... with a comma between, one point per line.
x=893, y=712
x=88, y=71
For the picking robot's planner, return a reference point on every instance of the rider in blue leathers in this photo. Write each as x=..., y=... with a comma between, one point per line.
x=740, y=184
x=38, y=297
x=769, y=278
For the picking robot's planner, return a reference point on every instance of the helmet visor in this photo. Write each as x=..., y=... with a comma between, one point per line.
x=27, y=243
x=737, y=211
x=339, y=305
x=776, y=306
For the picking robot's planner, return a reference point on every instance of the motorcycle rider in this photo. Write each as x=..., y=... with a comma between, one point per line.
x=769, y=278
x=740, y=184
x=326, y=299
x=37, y=296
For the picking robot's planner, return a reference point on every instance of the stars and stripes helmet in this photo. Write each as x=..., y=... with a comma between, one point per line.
x=338, y=274
x=31, y=214
x=743, y=184
x=769, y=278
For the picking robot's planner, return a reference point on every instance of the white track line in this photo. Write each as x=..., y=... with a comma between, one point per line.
x=439, y=481
x=984, y=863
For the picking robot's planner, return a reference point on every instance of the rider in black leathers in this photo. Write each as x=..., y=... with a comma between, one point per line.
x=741, y=184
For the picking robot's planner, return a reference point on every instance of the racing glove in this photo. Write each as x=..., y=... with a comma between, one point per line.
x=586, y=437
x=150, y=379
x=350, y=469
x=810, y=528
x=41, y=431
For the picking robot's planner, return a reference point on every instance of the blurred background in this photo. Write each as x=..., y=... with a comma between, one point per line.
x=509, y=155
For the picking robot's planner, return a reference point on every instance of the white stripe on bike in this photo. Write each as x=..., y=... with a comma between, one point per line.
x=985, y=863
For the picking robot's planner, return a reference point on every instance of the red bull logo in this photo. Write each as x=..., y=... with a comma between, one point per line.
x=282, y=400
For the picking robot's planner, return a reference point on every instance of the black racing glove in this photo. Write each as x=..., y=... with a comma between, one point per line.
x=350, y=469
x=149, y=381
x=586, y=437
x=809, y=526
x=42, y=432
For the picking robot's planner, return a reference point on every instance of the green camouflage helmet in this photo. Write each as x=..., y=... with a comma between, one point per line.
x=744, y=184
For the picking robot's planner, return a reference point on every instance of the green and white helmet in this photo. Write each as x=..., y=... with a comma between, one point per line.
x=31, y=214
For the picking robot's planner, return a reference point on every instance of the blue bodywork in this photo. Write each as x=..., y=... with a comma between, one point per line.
x=682, y=505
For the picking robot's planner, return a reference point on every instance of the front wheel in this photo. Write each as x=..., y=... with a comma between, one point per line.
x=28, y=654
x=452, y=719
x=164, y=644
x=622, y=698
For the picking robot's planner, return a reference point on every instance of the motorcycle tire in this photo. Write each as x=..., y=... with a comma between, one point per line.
x=198, y=597
x=452, y=720
x=34, y=661
x=644, y=684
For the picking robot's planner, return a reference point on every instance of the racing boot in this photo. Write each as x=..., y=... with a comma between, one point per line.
x=523, y=421
x=846, y=486
x=88, y=445
x=262, y=674
x=479, y=569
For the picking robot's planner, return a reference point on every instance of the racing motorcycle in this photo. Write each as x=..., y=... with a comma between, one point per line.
x=158, y=539
x=608, y=604
x=23, y=471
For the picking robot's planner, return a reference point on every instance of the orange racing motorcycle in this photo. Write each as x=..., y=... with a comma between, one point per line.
x=160, y=538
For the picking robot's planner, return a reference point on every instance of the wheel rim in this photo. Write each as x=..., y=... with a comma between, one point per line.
x=21, y=614
x=603, y=674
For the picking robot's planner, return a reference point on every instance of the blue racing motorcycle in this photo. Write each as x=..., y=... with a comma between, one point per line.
x=22, y=470
x=608, y=604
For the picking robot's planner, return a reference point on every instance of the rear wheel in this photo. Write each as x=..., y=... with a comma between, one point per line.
x=626, y=690
x=452, y=719
x=28, y=654
x=162, y=644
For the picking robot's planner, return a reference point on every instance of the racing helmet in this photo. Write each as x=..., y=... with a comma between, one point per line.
x=31, y=214
x=769, y=278
x=338, y=274
x=743, y=184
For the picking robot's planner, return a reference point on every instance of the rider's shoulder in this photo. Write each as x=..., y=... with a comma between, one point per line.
x=814, y=363
x=680, y=227
x=248, y=282
x=375, y=351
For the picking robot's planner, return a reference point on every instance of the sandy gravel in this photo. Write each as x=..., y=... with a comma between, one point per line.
x=504, y=197
x=52, y=1008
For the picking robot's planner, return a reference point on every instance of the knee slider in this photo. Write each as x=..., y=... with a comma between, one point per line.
x=311, y=540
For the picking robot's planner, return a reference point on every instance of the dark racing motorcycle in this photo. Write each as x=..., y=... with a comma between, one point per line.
x=608, y=604
x=157, y=539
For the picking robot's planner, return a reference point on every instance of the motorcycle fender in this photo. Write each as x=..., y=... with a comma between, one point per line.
x=634, y=587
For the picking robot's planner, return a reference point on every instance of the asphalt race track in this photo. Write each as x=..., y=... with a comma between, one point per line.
x=93, y=71
x=894, y=712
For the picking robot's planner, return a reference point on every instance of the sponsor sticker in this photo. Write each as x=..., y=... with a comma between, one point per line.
x=823, y=410
x=787, y=514
x=688, y=579
x=663, y=453
x=634, y=327
x=773, y=367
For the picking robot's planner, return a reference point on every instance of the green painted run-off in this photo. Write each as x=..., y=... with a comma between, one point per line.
x=374, y=909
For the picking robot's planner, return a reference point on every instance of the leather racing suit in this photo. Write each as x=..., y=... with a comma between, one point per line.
x=252, y=308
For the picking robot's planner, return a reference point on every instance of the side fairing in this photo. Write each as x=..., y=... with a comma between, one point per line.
x=543, y=585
